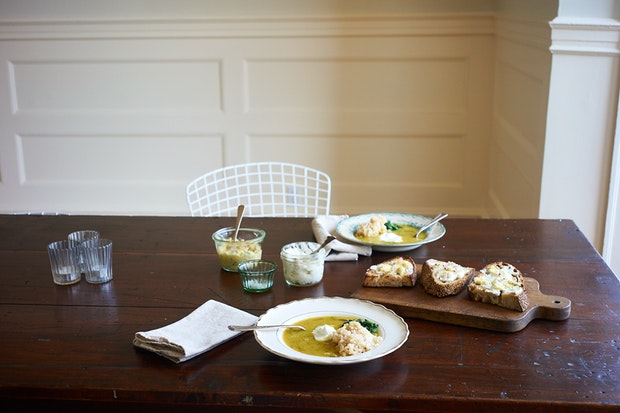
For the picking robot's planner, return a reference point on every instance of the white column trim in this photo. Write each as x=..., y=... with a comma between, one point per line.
x=612, y=224
x=585, y=36
x=585, y=73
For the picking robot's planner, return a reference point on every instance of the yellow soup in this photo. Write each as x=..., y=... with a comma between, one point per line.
x=304, y=342
x=406, y=232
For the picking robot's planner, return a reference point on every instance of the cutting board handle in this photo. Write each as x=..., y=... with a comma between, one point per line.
x=547, y=307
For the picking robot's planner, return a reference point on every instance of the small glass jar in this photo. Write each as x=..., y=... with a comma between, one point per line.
x=247, y=247
x=302, y=268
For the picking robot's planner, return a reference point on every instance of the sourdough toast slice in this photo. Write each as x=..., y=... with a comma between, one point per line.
x=499, y=283
x=444, y=278
x=396, y=272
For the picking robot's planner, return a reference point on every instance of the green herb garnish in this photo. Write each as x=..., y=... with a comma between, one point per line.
x=367, y=324
x=391, y=226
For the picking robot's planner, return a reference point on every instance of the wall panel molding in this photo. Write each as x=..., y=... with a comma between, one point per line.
x=286, y=27
x=116, y=84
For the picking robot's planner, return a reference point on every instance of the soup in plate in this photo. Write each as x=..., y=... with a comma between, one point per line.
x=333, y=336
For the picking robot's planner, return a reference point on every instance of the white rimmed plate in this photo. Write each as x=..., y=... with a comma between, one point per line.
x=392, y=327
x=347, y=227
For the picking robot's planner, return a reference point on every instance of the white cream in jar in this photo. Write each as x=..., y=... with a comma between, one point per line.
x=301, y=267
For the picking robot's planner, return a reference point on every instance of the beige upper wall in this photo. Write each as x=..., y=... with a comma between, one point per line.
x=128, y=9
x=536, y=9
x=165, y=9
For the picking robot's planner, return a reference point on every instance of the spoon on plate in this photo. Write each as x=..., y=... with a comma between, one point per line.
x=329, y=239
x=240, y=210
x=431, y=223
x=255, y=327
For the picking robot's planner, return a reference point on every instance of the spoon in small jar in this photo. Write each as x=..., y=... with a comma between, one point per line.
x=431, y=223
x=240, y=210
x=255, y=327
x=327, y=241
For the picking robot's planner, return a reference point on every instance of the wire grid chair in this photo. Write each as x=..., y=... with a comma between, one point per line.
x=267, y=189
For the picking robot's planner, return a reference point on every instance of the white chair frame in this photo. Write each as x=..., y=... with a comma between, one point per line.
x=267, y=189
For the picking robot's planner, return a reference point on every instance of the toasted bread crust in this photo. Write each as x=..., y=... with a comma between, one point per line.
x=517, y=301
x=376, y=278
x=434, y=285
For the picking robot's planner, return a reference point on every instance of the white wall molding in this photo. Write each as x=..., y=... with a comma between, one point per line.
x=591, y=36
x=445, y=25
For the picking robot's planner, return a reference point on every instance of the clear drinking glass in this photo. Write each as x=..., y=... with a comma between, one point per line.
x=98, y=261
x=79, y=238
x=257, y=275
x=65, y=262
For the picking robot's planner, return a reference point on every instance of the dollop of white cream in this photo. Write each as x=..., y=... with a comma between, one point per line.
x=390, y=237
x=323, y=333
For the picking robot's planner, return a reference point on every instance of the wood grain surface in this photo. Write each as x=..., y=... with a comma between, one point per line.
x=69, y=349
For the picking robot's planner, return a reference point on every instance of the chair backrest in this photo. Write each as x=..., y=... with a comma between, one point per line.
x=265, y=188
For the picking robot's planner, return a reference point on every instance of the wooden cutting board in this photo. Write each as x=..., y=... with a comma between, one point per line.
x=461, y=310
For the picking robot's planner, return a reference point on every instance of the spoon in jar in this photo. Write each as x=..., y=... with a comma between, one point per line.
x=431, y=223
x=327, y=241
x=240, y=210
x=255, y=327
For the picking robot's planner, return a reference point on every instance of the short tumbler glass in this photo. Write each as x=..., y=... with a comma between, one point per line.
x=81, y=237
x=257, y=275
x=98, y=261
x=65, y=262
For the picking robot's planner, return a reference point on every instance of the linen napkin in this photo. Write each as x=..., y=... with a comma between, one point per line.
x=204, y=328
x=325, y=225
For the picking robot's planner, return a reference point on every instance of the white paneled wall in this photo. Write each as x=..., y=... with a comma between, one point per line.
x=116, y=117
x=522, y=67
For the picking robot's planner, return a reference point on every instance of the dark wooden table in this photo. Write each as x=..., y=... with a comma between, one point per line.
x=70, y=348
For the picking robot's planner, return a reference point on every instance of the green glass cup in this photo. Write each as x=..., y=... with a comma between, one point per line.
x=257, y=275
